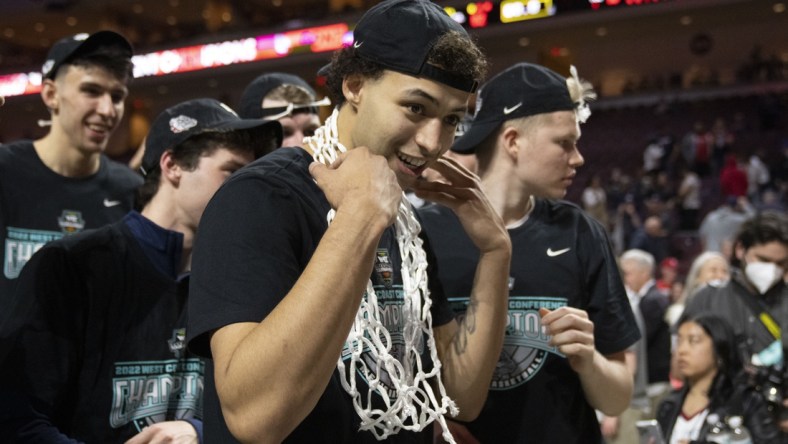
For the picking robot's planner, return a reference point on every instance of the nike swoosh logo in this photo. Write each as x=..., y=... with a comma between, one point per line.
x=507, y=110
x=552, y=253
x=357, y=44
x=110, y=203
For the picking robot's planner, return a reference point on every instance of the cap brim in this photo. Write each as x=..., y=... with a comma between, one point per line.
x=251, y=125
x=324, y=70
x=474, y=136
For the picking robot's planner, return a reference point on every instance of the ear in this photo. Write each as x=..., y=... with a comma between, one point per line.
x=511, y=141
x=49, y=95
x=352, y=86
x=739, y=251
x=170, y=171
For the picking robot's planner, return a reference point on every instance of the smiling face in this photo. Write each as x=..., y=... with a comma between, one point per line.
x=87, y=104
x=548, y=157
x=408, y=120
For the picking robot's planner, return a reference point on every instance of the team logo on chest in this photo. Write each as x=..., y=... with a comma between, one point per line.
x=71, y=221
x=177, y=343
x=526, y=344
x=383, y=267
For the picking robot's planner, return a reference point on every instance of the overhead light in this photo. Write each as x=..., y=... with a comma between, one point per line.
x=39, y=27
x=524, y=41
x=778, y=8
x=685, y=20
x=8, y=33
x=601, y=31
x=71, y=21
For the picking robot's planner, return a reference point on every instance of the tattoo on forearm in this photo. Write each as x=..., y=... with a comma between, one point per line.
x=467, y=324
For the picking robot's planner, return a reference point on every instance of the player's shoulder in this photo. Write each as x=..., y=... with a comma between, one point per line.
x=283, y=165
x=10, y=152
x=120, y=173
x=558, y=210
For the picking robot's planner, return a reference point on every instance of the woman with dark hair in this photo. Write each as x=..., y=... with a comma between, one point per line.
x=708, y=361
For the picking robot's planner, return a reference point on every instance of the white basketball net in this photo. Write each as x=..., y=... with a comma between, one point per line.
x=412, y=403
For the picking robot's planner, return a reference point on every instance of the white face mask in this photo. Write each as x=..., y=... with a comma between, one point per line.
x=763, y=275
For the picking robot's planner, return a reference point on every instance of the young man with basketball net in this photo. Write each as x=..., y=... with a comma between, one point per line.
x=312, y=299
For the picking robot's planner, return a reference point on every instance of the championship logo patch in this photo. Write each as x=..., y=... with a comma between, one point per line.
x=526, y=345
x=182, y=123
x=178, y=342
x=384, y=267
x=71, y=222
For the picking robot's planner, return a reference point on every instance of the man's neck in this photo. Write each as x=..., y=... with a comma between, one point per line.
x=64, y=159
x=161, y=212
x=345, y=120
x=511, y=201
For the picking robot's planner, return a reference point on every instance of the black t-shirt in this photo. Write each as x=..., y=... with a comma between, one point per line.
x=257, y=236
x=37, y=205
x=101, y=346
x=561, y=257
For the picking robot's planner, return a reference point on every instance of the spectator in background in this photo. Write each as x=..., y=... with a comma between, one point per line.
x=595, y=200
x=720, y=225
x=286, y=98
x=696, y=148
x=758, y=177
x=755, y=300
x=709, y=268
x=668, y=273
x=733, y=178
x=760, y=260
x=652, y=238
x=708, y=362
x=653, y=156
x=627, y=222
x=688, y=197
x=637, y=267
x=722, y=141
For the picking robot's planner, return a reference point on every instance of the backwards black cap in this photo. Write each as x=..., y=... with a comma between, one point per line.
x=251, y=105
x=187, y=119
x=399, y=34
x=68, y=48
x=522, y=90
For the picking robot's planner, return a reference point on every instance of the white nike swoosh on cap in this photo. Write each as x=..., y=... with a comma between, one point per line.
x=552, y=253
x=357, y=44
x=507, y=110
x=110, y=203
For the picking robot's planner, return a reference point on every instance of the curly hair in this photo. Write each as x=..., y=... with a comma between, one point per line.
x=453, y=52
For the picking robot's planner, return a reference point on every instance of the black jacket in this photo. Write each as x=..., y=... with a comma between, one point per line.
x=745, y=402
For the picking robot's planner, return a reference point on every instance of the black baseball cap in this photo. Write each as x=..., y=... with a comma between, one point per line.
x=187, y=119
x=521, y=90
x=399, y=34
x=68, y=48
x=251, y=105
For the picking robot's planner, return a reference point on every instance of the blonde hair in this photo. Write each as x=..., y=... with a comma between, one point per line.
x=692, y=284
x=294, y=94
